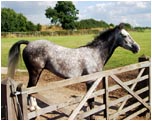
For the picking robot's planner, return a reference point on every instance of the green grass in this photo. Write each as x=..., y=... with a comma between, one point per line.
x=120, y=57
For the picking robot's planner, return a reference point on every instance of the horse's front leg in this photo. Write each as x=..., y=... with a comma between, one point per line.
x=90, y=102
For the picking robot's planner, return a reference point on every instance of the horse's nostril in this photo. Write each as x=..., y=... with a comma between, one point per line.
x=135, y=48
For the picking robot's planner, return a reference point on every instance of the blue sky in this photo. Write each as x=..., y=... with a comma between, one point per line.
x=137, y=13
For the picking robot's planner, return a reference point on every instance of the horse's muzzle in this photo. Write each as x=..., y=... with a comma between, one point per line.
x=135, y=48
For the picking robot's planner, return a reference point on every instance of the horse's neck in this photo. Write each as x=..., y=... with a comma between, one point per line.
x=106, y=51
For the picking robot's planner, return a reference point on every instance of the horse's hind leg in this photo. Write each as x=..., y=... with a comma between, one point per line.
x=33, y=79
x=90, y=101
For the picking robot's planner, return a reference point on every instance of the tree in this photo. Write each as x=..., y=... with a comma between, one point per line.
x=64, y=14
x=15, y=22
x=7, y=20
x=127, y=26
x=21, y=23
x=30, y=26
x=39, y=27
x=111, y=25
x=91, y=23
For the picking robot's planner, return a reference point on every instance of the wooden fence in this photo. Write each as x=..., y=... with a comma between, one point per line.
x=127, y=106
x=49, y=33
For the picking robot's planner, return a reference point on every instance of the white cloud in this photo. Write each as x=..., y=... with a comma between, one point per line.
x=38, y=19
x=115, y=12
x=46, y=3
x=141, y=4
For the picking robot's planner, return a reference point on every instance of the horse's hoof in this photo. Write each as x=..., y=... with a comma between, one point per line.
x=37, y=108
x=32, y=108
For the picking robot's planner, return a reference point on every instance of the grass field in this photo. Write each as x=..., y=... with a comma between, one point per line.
x=120, y=57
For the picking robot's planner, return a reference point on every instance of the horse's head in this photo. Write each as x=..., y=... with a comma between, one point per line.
x=125, y=40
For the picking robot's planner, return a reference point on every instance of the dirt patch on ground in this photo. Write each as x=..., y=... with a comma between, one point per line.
x=73, y=91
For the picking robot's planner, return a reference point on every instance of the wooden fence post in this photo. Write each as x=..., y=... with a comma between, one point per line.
x=144, y=83
x=23, y=101
x=106, y=97
x=8, y=105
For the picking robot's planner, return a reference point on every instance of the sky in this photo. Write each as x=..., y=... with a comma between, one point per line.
x=136, y=13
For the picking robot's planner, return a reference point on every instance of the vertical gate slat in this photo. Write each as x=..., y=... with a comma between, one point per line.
x=106, y=97
x=23, y=102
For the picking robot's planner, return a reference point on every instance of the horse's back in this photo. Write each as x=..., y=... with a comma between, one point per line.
x=41, y=47
x=45, y=54
x=36, y=53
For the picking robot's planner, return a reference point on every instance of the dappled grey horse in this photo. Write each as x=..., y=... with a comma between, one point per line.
x=66, y=62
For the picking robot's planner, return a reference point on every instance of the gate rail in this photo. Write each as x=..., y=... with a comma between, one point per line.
x=10, y=106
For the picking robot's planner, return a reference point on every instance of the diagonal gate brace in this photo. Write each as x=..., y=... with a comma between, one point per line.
x=130, y=91
x=86, y=97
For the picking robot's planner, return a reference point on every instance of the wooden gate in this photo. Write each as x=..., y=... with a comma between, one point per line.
x=127, y=106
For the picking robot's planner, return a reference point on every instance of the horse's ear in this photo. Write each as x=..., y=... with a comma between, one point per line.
x=121, y=26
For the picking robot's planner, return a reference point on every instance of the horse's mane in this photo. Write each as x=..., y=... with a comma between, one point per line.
x=99, y=39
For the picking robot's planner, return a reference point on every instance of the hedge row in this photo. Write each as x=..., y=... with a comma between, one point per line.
x=48, y=33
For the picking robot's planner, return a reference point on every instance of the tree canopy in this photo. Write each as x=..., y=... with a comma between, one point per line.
x=15, y=22
x=64, y=13
x=91, y=23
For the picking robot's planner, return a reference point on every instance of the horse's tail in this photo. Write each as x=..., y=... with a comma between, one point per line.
x=13, y=57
